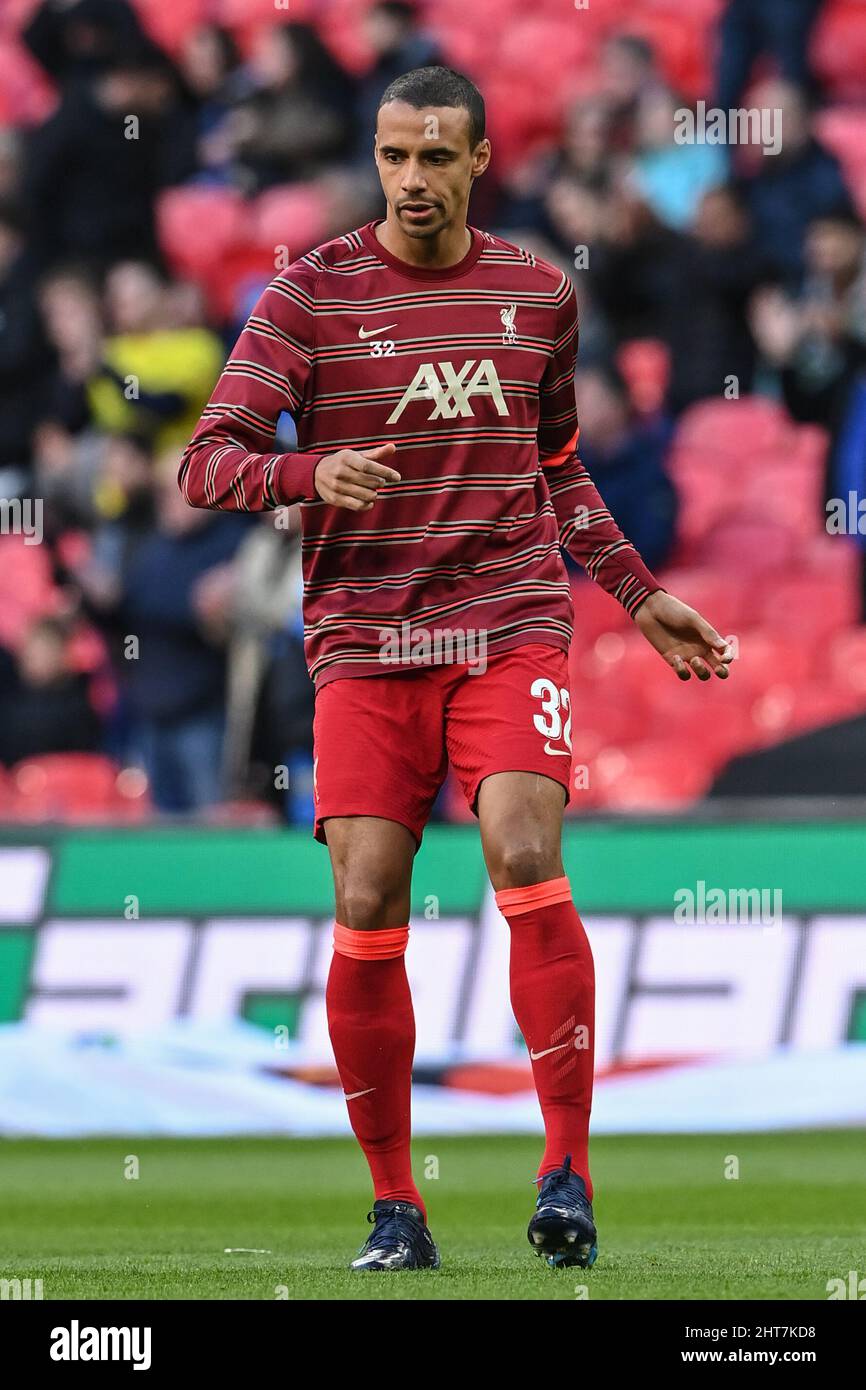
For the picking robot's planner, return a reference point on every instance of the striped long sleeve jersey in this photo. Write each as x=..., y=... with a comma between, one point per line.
x=470, y=372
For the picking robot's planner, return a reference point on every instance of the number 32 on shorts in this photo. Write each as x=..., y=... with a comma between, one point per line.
x=554, y=703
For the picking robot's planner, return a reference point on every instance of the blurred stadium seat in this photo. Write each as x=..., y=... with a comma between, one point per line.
x=84, y=787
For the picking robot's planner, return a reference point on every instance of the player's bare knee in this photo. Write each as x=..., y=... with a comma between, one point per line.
x=365, y=905
x=521, y=862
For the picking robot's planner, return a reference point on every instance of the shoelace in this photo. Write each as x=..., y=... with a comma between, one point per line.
x=391, y=1227
x=558, y=1176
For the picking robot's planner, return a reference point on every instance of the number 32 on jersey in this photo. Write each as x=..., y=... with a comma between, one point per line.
x=555, y=702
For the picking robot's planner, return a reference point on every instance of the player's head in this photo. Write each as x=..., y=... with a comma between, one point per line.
x=430, y=145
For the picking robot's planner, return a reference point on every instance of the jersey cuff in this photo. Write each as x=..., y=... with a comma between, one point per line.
x=294, y=478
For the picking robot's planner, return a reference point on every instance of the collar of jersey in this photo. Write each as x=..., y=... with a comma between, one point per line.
x=415, y=272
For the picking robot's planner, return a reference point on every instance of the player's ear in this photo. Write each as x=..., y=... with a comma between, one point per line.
x=480, y=157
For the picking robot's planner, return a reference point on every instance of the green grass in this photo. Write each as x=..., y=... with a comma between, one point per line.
x=671, y=1226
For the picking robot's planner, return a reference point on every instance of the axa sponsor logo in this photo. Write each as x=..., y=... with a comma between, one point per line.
x=451, y=389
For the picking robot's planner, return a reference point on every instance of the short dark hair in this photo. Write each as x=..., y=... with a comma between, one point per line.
x=438, y=86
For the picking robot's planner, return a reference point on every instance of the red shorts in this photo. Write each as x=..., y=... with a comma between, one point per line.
x=382, y=744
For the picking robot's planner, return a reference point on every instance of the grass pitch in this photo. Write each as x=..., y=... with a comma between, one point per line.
x=671, y=1224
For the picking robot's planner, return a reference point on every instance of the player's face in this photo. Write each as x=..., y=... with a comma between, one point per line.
x=426, y=165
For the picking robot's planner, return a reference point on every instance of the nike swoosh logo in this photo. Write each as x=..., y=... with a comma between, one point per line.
x=374, y=332
x=556, y=752
x=535, y=1055
x=356, y=1094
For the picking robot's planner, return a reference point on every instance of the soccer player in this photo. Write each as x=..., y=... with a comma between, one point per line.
x=429, y=368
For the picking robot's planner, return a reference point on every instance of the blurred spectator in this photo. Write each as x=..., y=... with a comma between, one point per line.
x=704, y=323
x=629, y=74
x=626, y=461
x=151, y=376
x=24, y=353
x=72, y=313
x=817, y=338
x=786, y=190
x=255, y=604
x=817, y=342
x=752, y=29
x=632, y=266
x=210, y=63
x=171, y=673
x=585, y=149
x=671, y=177
x=44, y=705
x=299, y=118
x=392, y=31
x=78, y=39
x=93, y=169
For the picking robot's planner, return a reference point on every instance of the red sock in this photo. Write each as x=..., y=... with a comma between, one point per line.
x=372, y=1028
x=553, y=998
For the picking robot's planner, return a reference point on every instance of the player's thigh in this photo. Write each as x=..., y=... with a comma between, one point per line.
x=371, y=861
x=379, y=761
x=509, y=740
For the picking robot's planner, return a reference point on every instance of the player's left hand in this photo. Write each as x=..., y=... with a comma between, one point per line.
x=686, y=641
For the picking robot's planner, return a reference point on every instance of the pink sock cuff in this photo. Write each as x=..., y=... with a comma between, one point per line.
x=370, y=945
x=513, y=901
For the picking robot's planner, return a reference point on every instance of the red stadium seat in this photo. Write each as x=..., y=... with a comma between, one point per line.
x=170, y=23
x=618, y=666
x=843, y=131
x=847, y=663
x=597, y=724
x=294, y=216
x=750, y=425
x=746, y=545
x=595, y=612
x=787, y=491
x=243, y=271
x=7, y=796
x=707, y=496
x=764, y=658
x=784, y=710
x=26, y=95
x=198, y=226
x=838, y=49
x=650, y=777
x=811, y=442
x=727, y=600
x=84, y=787
x=809, y=606
x=26, y=587
x=819, y=704
x=713, y=726
x=15, y=14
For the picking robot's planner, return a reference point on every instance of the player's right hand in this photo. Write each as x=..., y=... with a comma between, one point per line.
x=351, y=478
